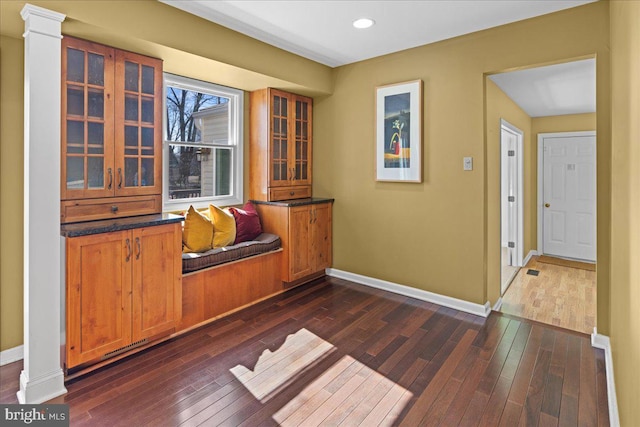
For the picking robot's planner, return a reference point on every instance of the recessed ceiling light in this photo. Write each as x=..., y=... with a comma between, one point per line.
x=363, y=23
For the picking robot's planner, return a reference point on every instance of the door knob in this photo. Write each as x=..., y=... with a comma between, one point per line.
x=546, y=205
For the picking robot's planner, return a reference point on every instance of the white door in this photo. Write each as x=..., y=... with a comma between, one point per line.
x=510, y=202
x=569, y=196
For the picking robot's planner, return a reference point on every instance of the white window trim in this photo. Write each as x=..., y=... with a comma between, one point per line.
x=236, y=127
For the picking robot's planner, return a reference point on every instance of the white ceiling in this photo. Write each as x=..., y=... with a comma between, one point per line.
x=555, y=90
x=321, y=30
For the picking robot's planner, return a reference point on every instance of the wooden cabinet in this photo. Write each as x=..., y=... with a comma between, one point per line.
x=123, y=288
x=305, y=231
x=110, y=132
x=280, y=145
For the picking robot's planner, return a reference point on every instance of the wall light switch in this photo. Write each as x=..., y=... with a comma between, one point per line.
x=467, y=163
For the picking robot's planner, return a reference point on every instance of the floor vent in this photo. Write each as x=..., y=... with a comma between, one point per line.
x=123, y=349
x=533, y=272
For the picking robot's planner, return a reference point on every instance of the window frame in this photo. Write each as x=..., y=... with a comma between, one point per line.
x=236, y=128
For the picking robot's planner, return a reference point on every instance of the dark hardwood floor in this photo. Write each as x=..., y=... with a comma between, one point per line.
x=337, y=353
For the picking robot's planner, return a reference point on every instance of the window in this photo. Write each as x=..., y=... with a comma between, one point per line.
x=202, y=144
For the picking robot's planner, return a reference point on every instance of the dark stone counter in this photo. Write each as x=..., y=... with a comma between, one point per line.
x=119, y=224
x=295, y=202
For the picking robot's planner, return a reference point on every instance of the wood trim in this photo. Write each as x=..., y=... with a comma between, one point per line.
x=446, y=301
x=259, y=153
x=603, y=342
x=11, y=355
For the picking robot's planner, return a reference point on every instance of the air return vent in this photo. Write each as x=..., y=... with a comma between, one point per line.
x=123, y=349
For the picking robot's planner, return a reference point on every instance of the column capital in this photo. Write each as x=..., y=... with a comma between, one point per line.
x=41, y=21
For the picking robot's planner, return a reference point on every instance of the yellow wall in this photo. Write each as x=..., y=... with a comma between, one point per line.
x=11, y=155
x=500, y=106
x=625, y=218
x=435, y=235
x=566, y=123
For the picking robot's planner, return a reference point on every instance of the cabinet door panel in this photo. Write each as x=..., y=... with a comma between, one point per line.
x=299, y=246
x=301, y=150
x=280, y=172
x=138, y=120
x=87, y=117
x=98, y=296
x=157, y=279
x=321, y=236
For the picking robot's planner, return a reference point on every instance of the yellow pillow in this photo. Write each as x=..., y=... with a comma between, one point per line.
x=198, y=232
x=224, y=226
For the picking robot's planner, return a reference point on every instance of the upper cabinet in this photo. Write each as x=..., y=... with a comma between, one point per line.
x=280, y=145
x=110, y=133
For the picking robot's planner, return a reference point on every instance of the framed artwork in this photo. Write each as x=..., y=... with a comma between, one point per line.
x=399, y=132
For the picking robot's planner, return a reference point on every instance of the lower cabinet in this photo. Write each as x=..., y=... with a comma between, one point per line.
x=305, y=231
x=122, y=288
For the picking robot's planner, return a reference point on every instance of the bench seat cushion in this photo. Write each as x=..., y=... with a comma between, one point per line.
x=265, y=242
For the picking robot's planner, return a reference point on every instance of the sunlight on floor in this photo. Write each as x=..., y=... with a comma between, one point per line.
x=348, y=393
x=275, y=369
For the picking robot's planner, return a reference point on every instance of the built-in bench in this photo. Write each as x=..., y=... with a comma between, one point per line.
x=264, y=243
x=223, y=280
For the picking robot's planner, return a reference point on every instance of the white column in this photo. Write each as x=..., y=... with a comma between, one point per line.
x=42, y=377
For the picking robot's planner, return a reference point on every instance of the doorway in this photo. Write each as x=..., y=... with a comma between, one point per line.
x=557, y=98
x=511, y=203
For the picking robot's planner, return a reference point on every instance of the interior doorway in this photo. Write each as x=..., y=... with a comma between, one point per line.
x=557, y=98
x=511, y=203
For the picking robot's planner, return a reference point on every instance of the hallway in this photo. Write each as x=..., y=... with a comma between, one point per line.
x=559, y=296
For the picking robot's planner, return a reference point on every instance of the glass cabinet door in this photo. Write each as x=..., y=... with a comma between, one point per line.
x=87, y=114
x=138, y=124
x=302, y=157
x=281, y=171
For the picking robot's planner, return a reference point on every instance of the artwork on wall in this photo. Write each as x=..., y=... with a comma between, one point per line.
x=399, y=132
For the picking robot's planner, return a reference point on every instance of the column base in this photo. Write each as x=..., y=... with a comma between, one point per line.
x=41, y=389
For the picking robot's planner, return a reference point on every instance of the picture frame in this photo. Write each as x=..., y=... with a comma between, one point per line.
x=399, y=132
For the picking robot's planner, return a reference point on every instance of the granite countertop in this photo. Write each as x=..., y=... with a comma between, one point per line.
x=295, y=202
x=119, y=224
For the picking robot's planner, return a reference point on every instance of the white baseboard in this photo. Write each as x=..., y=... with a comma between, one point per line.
x=457, y=304
x=11, y=355
x=528, y=257
x=603, y=342
x=498, y=305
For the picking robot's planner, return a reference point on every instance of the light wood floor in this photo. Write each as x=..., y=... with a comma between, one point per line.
x=559, y=296
x=341, y=354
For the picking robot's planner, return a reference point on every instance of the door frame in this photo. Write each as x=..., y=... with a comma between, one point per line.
x=505, y=125
x=540, y=212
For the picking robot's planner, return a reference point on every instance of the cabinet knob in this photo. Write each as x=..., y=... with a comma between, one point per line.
x=114, y=208
x=291, y=193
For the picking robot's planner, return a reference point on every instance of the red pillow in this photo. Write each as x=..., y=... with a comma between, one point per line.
x=247, y=223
